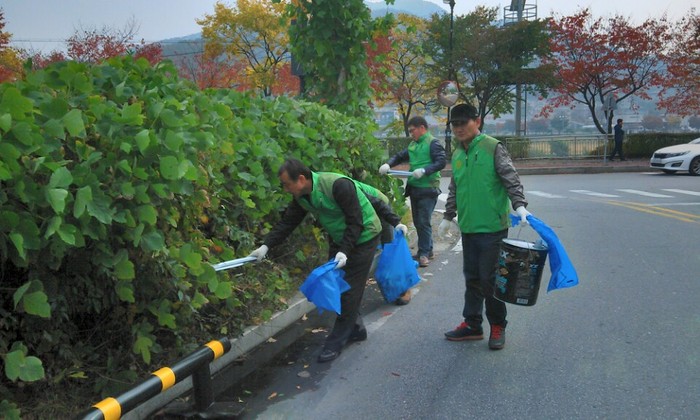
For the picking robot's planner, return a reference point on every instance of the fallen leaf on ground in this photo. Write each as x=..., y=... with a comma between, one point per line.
x=395, y=374
x=271, y=340
x=273, y=395
x=304, y=374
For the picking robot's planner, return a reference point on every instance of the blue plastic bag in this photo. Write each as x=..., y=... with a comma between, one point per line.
x=396, y=271
x=563, y=271
x=323, y=287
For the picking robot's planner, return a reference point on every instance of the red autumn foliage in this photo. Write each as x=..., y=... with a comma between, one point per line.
x=600, y=58
x=680, y=87
x=377, y=65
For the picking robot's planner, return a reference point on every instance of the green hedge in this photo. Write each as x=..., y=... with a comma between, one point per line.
x=643, y=145
x=121, y=185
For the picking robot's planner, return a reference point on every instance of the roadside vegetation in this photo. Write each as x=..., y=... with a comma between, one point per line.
x=125, y=175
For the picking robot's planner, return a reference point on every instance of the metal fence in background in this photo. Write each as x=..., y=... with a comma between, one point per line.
x=592, y=147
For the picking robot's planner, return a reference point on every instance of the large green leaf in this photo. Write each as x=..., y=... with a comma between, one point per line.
x=20, y=366
x=147, y=214
x=124, y=269
x=142, y=140
x=125, y=291
x=17, y=104
x=23, y=132
x=82, y=198
x=57, y=199
x=173, y=140
x=73, y=121
x=36, y=303
x=69, y=234
x=142, y=346
x=18, y=241
x=61, y=178
x=152, y=241
x=131, y=114
x=5, y=122
x=169, y=167
x=99, y=209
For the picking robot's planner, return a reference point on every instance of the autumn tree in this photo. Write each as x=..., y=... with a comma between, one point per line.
x=10, y=62
x=487, y=61
x=253, y=34
x=409, y=84
x=600, y=59
x=681, y=84
x=96, y=45
x=205, y=71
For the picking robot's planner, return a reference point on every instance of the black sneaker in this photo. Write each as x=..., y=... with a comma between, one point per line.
x=464, y=332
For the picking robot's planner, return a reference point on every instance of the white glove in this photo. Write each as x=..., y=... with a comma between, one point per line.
x=523, y=213
x=418, y=173
x=259, y=253
x=340, y=259
x=444, y=227
x=403, y=228
x=384, y=169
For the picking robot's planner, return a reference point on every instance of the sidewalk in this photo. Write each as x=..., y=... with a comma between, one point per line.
x=300, y=309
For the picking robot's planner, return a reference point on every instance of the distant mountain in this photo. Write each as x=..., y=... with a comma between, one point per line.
x=420, y=8
x=192, y=44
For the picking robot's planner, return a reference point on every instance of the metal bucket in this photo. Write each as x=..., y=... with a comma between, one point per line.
x=519, y=271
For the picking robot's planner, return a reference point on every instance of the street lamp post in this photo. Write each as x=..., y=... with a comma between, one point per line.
x=448, y=130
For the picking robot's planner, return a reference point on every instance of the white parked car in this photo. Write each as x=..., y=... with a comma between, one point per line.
x=681, y=157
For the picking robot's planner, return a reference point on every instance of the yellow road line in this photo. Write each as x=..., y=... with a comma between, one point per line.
x=659, y=211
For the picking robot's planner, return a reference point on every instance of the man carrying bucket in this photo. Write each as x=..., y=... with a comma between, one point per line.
x=483, y=181
x=341, y=205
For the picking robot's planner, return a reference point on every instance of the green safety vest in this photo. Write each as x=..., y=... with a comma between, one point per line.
x=322, y=205
x=482, y=200
x=419, y=157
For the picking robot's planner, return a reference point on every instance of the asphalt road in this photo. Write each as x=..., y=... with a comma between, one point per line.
x=624, y=343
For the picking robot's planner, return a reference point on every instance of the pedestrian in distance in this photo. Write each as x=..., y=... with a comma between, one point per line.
x=484, y=182
x=619, y=137
x=342, y=207
x=426, y=158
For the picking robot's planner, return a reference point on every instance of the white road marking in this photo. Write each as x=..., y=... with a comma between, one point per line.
x=544, y=194
x=645, y=193
x=682, y=191
x=594, y=194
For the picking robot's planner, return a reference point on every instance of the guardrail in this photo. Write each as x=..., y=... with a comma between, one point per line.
x=196, y=364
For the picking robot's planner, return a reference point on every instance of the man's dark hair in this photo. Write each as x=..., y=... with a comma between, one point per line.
x=417, y=122
x=294, y=168
x=619, y=120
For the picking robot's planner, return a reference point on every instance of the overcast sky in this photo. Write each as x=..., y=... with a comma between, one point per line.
x=35, y=23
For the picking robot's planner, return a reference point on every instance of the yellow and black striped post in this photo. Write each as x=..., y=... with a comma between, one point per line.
x=195, y=364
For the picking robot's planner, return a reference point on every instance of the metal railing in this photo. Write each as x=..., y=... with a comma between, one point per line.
x=196, y=364
x=558, y=147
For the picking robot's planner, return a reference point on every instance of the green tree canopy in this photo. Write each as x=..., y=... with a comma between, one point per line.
x=490, y=60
